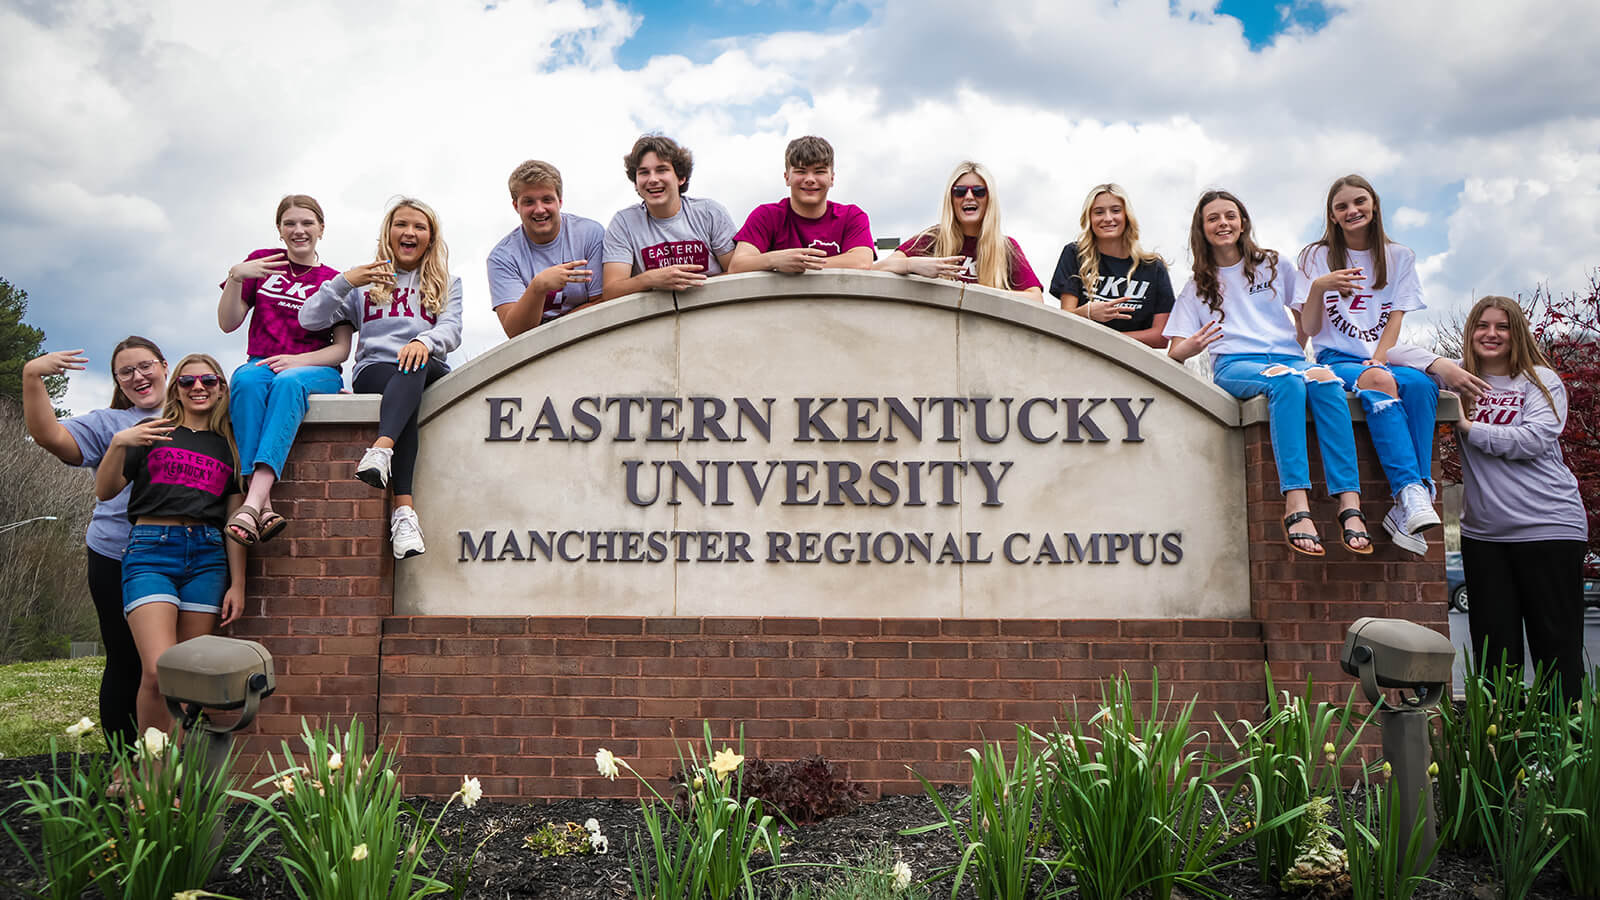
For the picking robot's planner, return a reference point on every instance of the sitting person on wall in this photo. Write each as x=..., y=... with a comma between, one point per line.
x=286, y=364
x=807, y=231
x=544, y=269
x=1524, y=532
x=1353, y=321
x=1237, y=307
x=968, y=244
x=1107, y=277
x=669, y=242
x=408, y=309
x=180, y=579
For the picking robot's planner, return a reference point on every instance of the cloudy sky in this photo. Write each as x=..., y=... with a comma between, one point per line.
x=146, y=143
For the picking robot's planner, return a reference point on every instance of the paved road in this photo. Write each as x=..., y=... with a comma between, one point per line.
x=1460, y=636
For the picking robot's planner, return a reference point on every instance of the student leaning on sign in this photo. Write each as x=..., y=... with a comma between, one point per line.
x=406, y=307
x=968, y=244
x=1353, y=321
x=547, y=266
x=287, y=363
x=806, y=230
x=1524, y=531
x=1236, y=306
x=1107, y=277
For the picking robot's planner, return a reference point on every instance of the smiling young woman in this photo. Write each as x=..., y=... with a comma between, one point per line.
x=406, y=307
x=1106, y=276
x=180, y=579
x=140, y=373
x=287, y=363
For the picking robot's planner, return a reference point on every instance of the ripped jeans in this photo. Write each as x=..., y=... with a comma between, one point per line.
x=1289, y=395
x=1401, y=428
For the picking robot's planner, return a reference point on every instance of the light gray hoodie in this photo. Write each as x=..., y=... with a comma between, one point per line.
x=386, y=327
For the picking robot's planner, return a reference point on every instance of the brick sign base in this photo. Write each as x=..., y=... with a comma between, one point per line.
x=523, y=703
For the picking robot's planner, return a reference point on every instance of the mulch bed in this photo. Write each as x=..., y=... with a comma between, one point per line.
x=504, y=870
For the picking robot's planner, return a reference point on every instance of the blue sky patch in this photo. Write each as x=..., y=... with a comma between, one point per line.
x=699, y=30
x=1264, y=20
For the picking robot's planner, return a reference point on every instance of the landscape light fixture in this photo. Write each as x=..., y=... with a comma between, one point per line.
x=209, y=673
x=1397, y=654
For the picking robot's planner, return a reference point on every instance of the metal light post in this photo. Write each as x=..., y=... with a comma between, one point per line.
x=6, y=528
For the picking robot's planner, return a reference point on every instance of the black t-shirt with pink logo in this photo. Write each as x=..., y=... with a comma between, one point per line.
x=190, y=476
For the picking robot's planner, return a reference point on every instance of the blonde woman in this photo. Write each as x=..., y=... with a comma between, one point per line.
x=1108, y=277
x=406, y=308
x=967, y=244
x=179, y=577
x=1524, y=531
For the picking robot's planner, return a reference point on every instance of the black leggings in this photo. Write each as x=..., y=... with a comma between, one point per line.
x=119, y=684
x=1537, y=585
x=397, y=413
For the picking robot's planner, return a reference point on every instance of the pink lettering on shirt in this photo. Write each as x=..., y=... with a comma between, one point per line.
x=676, y=253
x=1498, y=408
x=399, y=306
x=186, y=468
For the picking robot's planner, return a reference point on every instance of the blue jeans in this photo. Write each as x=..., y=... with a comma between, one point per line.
x=184, y=565
x=266, y=409
x=1402, y=431
x=1288, y=396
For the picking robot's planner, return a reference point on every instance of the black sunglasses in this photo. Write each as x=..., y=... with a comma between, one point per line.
x=209, y=381
x=977, y=190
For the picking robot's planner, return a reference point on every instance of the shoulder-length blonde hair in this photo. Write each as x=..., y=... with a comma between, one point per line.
x=1089, y=251
x=435, y=269
x=1525, y=353
x=993, y=260
x=218, y=420
x=1333, y=236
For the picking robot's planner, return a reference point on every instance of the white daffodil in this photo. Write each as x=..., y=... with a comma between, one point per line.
x=80, y=728
x=471, y=792
x=902, y=875
x=335, y=762
x=155, y=741
x=359, y=853
x=606, y=762
x=725, y=761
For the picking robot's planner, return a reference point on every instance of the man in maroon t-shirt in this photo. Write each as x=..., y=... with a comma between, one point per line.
x=806, y=231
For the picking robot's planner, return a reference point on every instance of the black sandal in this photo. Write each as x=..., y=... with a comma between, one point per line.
x=271, y=524
x=1290, y=537
x=1353, y=535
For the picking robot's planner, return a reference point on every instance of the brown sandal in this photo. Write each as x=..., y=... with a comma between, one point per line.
x=271, y=525
x=248, y=522
x=1353, y=535
x=1290, y=537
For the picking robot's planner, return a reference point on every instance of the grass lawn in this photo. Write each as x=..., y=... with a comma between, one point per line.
x=38, y=700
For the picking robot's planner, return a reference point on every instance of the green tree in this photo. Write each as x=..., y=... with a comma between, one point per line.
x=20, y=343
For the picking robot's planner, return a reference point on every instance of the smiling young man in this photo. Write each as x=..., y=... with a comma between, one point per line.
x=545, y=268
x=668, y=242
x=807, y=231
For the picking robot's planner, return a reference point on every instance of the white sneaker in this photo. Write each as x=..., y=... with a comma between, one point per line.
x=374, y=466
x=1417, y=505
x=1394, y=523
x=405, y=533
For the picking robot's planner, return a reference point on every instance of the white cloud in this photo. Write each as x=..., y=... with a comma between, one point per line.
x=146, y=144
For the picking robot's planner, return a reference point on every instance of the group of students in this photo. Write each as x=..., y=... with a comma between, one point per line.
x=186, y=460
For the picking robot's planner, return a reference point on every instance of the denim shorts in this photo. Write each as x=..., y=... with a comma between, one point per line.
x=185, y=565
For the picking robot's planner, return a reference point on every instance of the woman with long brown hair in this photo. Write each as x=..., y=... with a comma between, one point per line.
x=1524, y=530
x=139, y=374
x=1237, y=307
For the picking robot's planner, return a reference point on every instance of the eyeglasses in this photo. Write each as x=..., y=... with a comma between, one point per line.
x=977, y=190
x=144, y=368
x=188, y=381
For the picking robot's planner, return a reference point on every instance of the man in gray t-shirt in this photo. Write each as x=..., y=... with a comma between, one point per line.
x=545, y=268
x=668, y=242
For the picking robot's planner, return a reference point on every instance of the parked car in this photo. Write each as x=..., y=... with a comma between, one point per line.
x=1455, y=581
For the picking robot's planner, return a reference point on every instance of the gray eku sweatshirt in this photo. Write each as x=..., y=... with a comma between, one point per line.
x=387, y=326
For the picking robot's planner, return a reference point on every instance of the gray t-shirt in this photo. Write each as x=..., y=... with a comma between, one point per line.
x=1517, y=486
x=92, y=431
x=516, y=261
x=700, y=232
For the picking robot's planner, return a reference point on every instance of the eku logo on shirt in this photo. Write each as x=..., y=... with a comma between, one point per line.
x=399, y=305
x=1121, y=289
